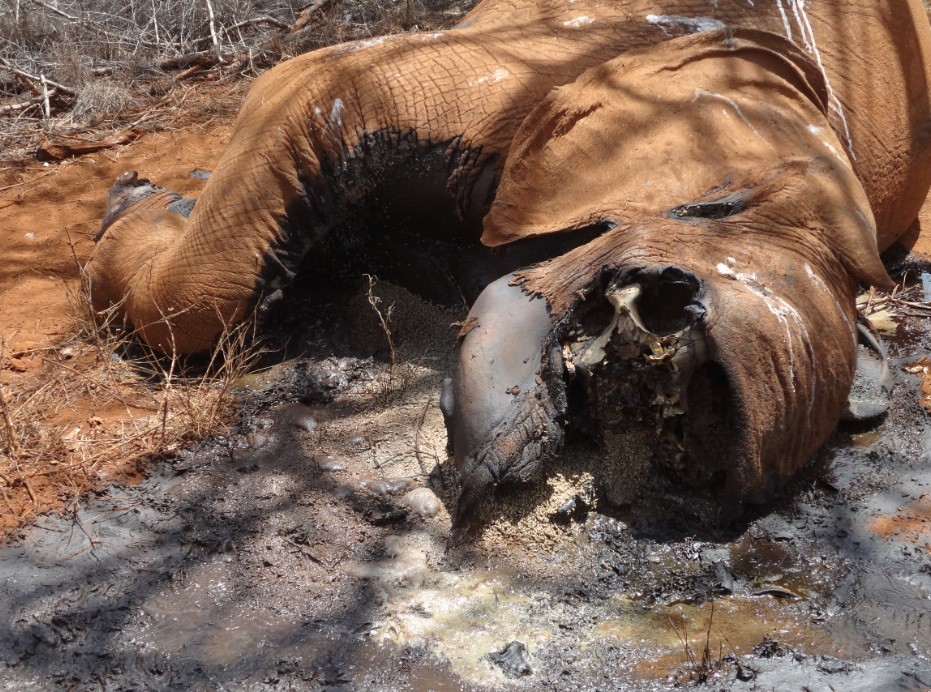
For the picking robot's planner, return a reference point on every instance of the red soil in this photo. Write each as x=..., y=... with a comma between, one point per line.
x=48, y=217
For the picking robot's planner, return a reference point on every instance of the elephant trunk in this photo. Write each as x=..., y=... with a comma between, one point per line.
x=506, y=413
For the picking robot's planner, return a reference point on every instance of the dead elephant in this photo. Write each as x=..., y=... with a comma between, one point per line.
x=664, y=209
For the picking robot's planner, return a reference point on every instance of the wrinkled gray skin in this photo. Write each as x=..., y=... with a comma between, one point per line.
x=506, y=355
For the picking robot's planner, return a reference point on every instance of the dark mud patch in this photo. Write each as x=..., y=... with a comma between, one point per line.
x=309, y=549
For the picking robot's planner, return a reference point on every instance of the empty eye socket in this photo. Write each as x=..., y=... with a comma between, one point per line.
x=594, y=315
x=712, y=209
x=662, y=307
x=664, y=303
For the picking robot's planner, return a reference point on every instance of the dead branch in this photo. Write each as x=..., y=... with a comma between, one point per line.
x=213, y=32
x=32, y=495
x=254, y=21
x=419, y=430
x=29, y=181
x=209, y=59
x=46, y=105
x=308, y=14
x=204, y=59
x=25, y=105
x=189, y=72
x=61, y=150
x=37, y=80
x=55, y=10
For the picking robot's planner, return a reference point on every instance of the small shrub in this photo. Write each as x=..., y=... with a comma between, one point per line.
x=99, y=99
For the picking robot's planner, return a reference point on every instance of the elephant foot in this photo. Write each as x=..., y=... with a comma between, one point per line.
x=129, y=189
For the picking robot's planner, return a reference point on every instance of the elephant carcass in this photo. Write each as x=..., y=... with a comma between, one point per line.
x=716, y=307
x=744, y=223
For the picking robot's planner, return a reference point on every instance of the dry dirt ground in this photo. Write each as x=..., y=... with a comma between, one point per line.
x=77, y=417
x=306, y=545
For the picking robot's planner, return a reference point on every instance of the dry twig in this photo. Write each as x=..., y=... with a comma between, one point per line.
x=36, y=80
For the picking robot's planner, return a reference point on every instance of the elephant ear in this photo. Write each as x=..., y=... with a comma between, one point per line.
x=649, y=129
x=659, y=128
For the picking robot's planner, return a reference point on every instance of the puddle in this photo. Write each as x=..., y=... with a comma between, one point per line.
x=867, y=439
x=736, y=626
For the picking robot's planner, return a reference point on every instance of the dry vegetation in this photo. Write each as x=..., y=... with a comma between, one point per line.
x=907, y=299
x=73, y=71
x=76, y=77
x=156, y=403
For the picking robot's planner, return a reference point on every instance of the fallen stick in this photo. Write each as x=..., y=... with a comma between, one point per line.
x=189, y=72
x=61, y=150
x=32, y=495
x=307, y=14
x=24, y=105
x=204, y=59
x=37, y=80
x=29, y=181
x=57, y=11
x=253, y=22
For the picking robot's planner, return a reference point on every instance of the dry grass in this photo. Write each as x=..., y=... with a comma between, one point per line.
x=392, y=384
x=105, y=400
x=699, y=668
x=100, y=99
x=882, y=308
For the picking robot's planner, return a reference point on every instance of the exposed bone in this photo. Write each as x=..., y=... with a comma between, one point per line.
x=625, y=307
x=631, y=330
x=636, y=379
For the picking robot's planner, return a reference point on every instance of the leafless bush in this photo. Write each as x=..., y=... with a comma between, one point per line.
x=100, y=99
x=72, y=43
x=54, y=54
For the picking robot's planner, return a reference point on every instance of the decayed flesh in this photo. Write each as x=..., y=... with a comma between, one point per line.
x=630, y=378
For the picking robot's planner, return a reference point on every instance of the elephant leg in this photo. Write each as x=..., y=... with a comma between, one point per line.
x=316, y=142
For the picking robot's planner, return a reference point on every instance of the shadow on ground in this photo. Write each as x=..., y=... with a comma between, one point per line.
x=309, y=548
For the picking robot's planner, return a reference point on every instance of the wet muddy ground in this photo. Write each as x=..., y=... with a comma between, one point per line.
x=310, y=549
